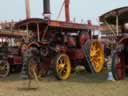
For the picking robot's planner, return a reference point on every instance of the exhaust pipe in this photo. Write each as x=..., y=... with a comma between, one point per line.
x=67, y=13
x=46, y=9
x=27, y=3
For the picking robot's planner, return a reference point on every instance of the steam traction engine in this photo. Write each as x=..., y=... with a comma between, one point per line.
x=10, y=46
x=118, y=18
x=59, y=46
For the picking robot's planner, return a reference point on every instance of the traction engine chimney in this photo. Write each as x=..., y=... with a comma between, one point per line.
x=67, y=13
x=27, y=3
x=46, y=9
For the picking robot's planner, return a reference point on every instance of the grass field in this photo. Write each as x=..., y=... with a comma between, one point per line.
x=79, y=84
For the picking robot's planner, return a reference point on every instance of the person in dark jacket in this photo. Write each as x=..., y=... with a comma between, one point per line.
x=107, y=50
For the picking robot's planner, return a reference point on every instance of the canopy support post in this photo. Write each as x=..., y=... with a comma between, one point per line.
x=38, y=33
x=117, y=25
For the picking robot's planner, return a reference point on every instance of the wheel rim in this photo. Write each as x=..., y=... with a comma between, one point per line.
x=4, y=69
x=96, y=56
x=63, y=66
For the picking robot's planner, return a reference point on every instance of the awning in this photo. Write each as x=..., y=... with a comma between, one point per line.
x=110, y=16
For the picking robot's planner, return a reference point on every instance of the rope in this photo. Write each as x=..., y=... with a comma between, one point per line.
x=60, y=10
x=45, y=30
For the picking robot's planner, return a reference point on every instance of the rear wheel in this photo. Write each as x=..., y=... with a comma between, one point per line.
x=4, y=68
x=118, y=68
x=62, y=67
x=94, y=55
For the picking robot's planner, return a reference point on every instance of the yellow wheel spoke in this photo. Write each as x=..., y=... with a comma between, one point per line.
x=96, y=55
x=3, y=67
x=63, y=66
x=60, y=68
x=61, y=62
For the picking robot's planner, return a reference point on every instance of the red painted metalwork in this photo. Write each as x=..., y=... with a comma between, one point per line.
x=83, y=37
x=60, y=37
x=13, y=59
x=57, y=24
x=75, y=54
x=10, y=54
x=14, y=56
x=118, y=66
x=57, y=37
x=67, y=13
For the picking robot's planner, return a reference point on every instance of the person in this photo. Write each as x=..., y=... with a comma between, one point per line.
x=107, y=50
x=126, y=53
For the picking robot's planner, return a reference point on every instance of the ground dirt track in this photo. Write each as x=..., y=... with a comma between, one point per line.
x=79, y=84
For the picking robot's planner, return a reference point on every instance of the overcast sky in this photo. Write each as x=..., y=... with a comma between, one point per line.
x=79, y=9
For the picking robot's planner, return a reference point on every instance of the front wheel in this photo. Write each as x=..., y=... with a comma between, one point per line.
x=118, y=67
x=4, y=68
x=62, y=67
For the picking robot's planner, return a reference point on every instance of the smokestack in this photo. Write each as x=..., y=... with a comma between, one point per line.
x=67, y=13
x=46, y=13
x=27, y=3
